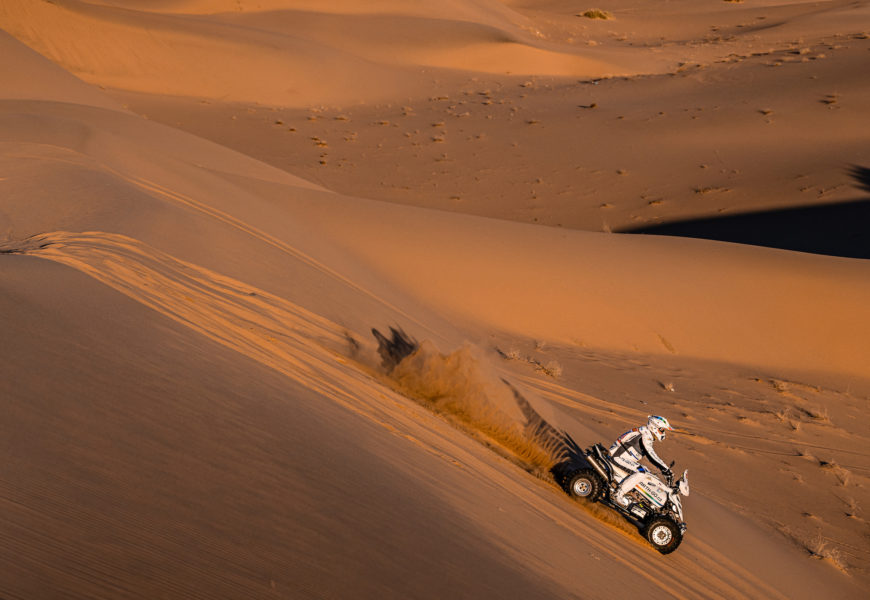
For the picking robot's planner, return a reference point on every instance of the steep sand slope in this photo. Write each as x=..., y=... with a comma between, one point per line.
x=28, y=75
x=202, y=413
x=146, y=461
x=302, y=345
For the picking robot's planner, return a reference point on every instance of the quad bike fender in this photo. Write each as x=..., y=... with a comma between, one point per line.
x=564, y=471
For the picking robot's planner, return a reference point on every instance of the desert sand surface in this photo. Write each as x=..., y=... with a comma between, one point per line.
x=206, y=206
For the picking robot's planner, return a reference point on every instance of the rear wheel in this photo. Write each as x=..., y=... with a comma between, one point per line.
x=585, y=484
x=663, y=533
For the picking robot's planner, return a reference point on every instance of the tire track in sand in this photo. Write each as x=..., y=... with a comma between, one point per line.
x=271, y=330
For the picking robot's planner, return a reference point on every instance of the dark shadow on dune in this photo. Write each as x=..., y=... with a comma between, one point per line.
x=567, y=453
x=841, y=229
x=861, y=175
x=394, y=348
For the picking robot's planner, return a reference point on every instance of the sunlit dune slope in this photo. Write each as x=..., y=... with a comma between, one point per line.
x=29, y=75
x=734, y=107
x=694, y=298
x=783, y=310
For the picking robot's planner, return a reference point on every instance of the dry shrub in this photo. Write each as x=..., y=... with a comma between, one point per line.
x=804, y=453
x=784, y=416
x=818, y=547
x=853, y=507
x=842, y=474
x=512, y=354
x=597, y=13
x=551, y=369
x=779, y=385
x=818, y=414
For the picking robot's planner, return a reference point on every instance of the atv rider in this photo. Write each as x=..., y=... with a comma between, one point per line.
x=632, y=446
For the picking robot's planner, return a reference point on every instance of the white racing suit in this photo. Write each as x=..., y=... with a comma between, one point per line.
x=627, y=451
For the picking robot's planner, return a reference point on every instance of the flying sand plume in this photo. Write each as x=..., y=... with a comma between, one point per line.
x=458, y=386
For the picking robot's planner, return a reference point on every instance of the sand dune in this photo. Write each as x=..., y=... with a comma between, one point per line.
x=327, y=56
x=773, y=131
x=200, y=225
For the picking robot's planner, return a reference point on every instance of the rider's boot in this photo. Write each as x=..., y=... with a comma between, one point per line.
x=620, y=498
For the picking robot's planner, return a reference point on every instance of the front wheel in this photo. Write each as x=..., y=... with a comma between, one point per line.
x=663, y=533
x=585, y=484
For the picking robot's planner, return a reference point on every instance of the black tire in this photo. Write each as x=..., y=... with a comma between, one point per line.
x=663, y=533
x=585, y=484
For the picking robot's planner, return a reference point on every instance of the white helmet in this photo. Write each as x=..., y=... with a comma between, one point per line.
x=658, y=426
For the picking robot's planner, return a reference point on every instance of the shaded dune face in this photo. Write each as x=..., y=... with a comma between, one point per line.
x=149, y=462
x=834, y=229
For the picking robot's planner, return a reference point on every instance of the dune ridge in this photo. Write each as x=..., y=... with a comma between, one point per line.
x=117, y=46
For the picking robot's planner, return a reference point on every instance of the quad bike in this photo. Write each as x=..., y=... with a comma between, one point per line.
x=655, y=508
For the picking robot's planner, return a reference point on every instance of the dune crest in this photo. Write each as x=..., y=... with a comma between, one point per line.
x=281, y=55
